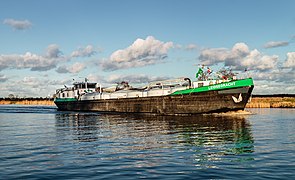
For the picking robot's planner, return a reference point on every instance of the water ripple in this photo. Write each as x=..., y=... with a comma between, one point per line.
x=42, y=143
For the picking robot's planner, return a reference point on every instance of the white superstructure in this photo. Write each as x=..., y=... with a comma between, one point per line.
x=94, y=91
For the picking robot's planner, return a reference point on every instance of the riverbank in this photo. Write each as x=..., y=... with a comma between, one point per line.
x=29, y=101
x=257, y=101
x=272, y=102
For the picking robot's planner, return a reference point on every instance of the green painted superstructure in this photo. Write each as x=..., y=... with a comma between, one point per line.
x=221, y=86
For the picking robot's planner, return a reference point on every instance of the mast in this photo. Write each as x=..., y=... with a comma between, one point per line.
x=86, y=84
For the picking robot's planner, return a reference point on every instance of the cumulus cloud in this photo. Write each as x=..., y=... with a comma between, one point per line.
x=33, y=61
x=238, y=58
x=287, y=77
x=96, y=78
x=191, y=47
x=62, y=69
x=274, y=44
x=279, y=74
x=265, y=87
x=273, y=75
x=75, y=68
x=18, y=24
x=84, y=52
x=30, y=81
x=3, y=78
x=142, y=52
x=53, y=51
x=290, y=61
x=255, y=60
x=31, y=86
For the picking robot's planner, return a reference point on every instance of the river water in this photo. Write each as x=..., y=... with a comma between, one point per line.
x=39, y=142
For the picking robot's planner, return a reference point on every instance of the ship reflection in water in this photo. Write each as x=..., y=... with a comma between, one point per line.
x=203, y=141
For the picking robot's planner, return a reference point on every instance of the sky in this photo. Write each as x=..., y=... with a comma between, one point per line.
x=47, y=44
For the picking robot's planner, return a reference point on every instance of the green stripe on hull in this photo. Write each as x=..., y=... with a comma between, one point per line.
x=65, y=99
x=221, y=86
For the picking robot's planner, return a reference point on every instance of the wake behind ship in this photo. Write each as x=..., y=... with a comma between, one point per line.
x=169, y=97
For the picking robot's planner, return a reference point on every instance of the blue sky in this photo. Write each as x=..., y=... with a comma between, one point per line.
x=46, y=44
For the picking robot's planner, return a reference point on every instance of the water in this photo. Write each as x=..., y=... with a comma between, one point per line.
x=39, y=142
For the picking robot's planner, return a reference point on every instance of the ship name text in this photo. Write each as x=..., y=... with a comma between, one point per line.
x=220, y=86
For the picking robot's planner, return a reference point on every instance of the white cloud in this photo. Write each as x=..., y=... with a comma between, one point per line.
x=240, y=50
x=33, y=61
x=53, y=51
x=84, y=52
x=238, y=58
x=3, y=78
x=31, y=86
x=31, y=81
x=268, y=76
x=18, y=24
x=274, y=44
x=96, y=78
x=62, y=69
x=213, y=56
x=290, y=61
x=264, y=87
x=256, y=61
x=142, y=52
x=191, y=47
x=287, y=77
x=275, y=76
x=75, y=68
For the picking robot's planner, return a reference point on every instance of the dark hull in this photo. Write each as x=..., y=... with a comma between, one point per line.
x=196, y=103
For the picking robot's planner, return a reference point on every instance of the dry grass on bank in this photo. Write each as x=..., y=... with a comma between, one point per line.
x=28, y=102
x=272, y=102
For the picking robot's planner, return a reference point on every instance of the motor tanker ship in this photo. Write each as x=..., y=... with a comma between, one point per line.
x=168, y=97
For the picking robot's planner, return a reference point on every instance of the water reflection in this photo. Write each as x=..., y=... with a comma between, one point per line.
x=83, y=127
x=202, y=138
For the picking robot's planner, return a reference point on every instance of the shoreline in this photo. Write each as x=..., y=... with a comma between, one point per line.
x=271, y=102
x=257, y=101
x=28, y=101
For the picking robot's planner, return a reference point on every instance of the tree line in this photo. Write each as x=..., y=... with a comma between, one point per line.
x=12, y=97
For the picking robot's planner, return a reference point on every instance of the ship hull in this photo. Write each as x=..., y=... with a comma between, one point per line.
x=193, y=103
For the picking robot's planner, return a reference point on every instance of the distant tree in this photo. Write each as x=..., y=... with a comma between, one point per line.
x=11, y=96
